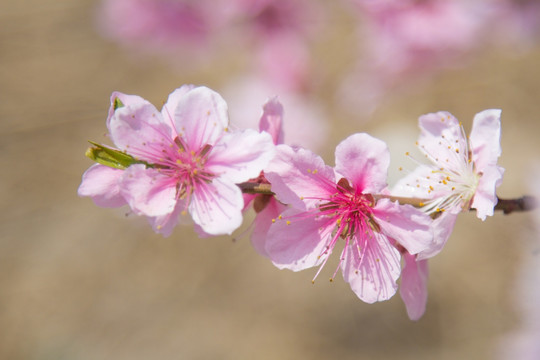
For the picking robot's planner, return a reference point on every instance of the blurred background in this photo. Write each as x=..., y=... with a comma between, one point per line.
x=82, y=282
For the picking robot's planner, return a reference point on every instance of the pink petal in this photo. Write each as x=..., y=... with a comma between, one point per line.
x=485, y=139
x=416, y=183
x=407, y=225
x=413, y=288
x=485, y=142
x=272, y=120
x=364, y=161
x=372, y=277
x=299, y=173
x=241, y=156
x=101, y=183
x=439, y=131
x=169, y=109
x=262, y=223
x=485, y=197
x=442, y=229
x=148, y=192
x=300, y=244
x=135, y=128
x=217, y=207
x=201, y=117
x=248, y=198
x=127, y=100
x=165, y=224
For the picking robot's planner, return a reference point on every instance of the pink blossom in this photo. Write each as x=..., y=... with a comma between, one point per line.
x=463, y=173
x=266, y=206
x=403, y=42
x=188, y=161
x=159, y=24
x=332, y=204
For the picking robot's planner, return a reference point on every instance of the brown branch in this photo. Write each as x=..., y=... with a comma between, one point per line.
x=507, y=206
x=524, y=203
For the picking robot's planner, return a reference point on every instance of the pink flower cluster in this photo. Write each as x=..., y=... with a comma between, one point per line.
x=185, y=159
x=398, y=42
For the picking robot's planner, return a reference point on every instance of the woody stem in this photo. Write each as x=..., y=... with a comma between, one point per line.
x=507, y=206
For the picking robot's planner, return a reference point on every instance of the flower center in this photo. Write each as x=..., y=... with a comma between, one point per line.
x=352, y=210
x=185, y=166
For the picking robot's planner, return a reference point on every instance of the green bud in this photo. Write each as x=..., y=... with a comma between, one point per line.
x=117, y=104
x=110, y=157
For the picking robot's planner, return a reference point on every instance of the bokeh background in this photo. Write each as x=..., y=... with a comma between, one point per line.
x=82, y=282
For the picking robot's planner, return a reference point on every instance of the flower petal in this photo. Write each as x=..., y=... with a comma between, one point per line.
x=241, y=156
x=126, y=100
x=272, y=120
x=416, y=184
x=101, y=183
x=442, y=229
x=413, y=289
x=201, y=117
x=485, y=197
x=217, y=207
x=485, y=139
x=262, y=224
x=148, y=192
x=407, y=225
x=169, y=109
x=443, y=140
x=165, y=224
x=137, y=128
x=486, y=148
x=372, y=277
x=299, y=177
x=298, y=245
x=364, y=161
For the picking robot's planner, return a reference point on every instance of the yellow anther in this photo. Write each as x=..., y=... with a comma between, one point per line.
x=288, y=222
x=421, y=204
x=457, y=151
x=273, y=220
x=407, y=153
x=280, y=217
